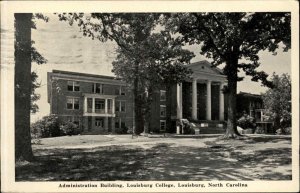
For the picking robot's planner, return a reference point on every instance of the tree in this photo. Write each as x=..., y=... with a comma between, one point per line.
x=22, y=86
x=132, y=33
x=277, y=101
x=24, y=54
x=234, y=39
x=161, y=63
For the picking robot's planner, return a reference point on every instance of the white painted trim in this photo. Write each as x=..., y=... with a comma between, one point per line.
x=87, y=79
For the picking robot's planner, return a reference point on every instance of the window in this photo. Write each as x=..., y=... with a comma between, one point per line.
x=73, y=86
x=98, y=88
x=99, y=105
x=72, y=103
x=120, y=90
x=162, y=95
x=162, y=125
x=120, y=106
x=98, y=122
x=162, y=110
x=89, y=105
x=119, y=123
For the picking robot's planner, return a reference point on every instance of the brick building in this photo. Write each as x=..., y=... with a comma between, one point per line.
x=104, y=103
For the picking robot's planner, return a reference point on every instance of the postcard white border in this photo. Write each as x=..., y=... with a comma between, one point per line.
x=7, y=85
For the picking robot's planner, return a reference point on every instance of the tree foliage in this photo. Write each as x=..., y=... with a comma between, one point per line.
x=235, y=39
x=277, y=101
x=144, y=59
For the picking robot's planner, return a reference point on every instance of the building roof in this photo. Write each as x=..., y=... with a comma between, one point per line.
x=85, y=74
x=246, y=94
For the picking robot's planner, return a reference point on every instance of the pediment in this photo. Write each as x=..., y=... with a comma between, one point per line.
x=204, y=67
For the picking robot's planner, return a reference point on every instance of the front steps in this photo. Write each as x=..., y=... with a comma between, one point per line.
x=210, y=127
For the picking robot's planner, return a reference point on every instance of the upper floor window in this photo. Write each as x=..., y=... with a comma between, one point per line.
x=162, y=110
x=99, y=104
x=73, y=86
x=162, y=95
x=98, y=88
x=120, y=90
x=72, y=103
x=120, y=106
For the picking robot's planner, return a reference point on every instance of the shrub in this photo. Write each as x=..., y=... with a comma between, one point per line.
x=259, y=130
x=48, y=126
x=246, y=122
x=69, y=128
x=187, y=127
x=284, y=131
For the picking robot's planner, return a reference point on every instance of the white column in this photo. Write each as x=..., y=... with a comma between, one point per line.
x=113, y=106
x=85, y=104
x=105, y=107
x=208, y=100
x=221, y=103
x=194, y=99
x=179, y=101
x=93, y=107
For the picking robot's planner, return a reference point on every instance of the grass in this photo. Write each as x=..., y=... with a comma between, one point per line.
x=105, y=158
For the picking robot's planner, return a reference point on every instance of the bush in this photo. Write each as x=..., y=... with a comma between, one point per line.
x=284, y=131
x=48, y=126
x=187, y=127
x=259, y=130
x=69, y=128
x=246, y=122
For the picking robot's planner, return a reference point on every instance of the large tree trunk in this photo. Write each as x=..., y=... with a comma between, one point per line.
x=231, y=131
x=22, y=86
x=138, y=118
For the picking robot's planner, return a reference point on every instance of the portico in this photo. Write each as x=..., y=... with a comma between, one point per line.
x=201, y=97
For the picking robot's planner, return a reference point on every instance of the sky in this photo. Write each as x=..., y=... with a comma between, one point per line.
x=65, y=48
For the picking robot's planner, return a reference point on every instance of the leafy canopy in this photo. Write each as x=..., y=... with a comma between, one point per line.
x=230, y=37
x=277, y=100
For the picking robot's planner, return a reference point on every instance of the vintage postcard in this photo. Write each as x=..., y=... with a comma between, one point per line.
x=150, y=96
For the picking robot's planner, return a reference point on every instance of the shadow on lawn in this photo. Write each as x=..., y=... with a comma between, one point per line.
x=161, y=162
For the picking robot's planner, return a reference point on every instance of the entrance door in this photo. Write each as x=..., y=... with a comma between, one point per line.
x=99, y=122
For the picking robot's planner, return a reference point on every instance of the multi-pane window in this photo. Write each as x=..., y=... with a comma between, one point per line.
x=162, y=95
x=162, y=125
x=72, y=103
x=120, y=106
x=120, y=90
x=162, y=110
x=98, y=88
x=99, y=105
x=89, y=105
x=73, y=86
x=119, y=123
x=98, y=122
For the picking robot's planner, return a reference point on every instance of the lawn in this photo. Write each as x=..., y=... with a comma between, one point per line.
x=113, y=157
